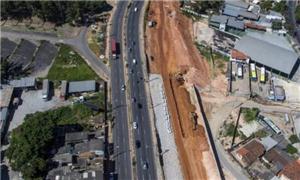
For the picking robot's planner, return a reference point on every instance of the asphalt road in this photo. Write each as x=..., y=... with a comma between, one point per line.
x=79, y=43
x=119, y=105
x=140, y=114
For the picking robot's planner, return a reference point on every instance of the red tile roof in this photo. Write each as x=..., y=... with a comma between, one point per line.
x=292, y=170
x=251, y=151
x=238, y=55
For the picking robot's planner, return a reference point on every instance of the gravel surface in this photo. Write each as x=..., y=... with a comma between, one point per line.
x=32, y=102
x=171, y=165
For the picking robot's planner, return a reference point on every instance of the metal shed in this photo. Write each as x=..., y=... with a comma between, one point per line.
x=82, y=86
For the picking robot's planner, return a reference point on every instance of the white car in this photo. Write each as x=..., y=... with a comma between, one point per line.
x=134, y=124
x=123, y=87
x=135, y=9
x=134, y=61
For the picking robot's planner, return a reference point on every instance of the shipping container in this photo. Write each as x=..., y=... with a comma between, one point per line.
x=45, y=92
x=253, y=72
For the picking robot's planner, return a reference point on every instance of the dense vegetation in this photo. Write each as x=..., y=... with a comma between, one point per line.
x=294, y=139
x=291, y=149
x=250, y=114
x=69, y=65
x=58, y=12
x=31, y=142
x=297, y=12
x=206, y=6
x=267, y=5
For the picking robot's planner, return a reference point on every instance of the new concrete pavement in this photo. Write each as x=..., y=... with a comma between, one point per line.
x=145, y=159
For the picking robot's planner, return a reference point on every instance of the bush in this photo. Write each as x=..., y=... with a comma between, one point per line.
x=294, y=139
x=229, y=129
x=261, y=133
x=32, y=141
x=250, y=114
x=291, y=149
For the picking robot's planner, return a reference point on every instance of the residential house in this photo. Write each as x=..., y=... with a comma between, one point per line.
x=248, y=153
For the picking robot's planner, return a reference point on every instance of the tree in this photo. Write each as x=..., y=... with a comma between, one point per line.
x=266, y=5
x=204, y=6
x=294, y=139
x=280, y=6
x=276, y=25
x=297, y=13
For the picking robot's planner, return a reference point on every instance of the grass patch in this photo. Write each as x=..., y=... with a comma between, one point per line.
x=250, y=114
x=261, y=133
x=229, y=129
x=294, y=139
x=69, y=65
x=291, y=149
x=97, y=99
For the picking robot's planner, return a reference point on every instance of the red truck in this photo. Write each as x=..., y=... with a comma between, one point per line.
x=113, y=47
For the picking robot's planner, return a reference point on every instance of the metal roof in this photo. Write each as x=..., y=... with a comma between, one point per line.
x=219, y=19
x=6, y=94
x=230, y=12
x=236, y=23
x=23, y=82
x=267, y=54
x=248, y=15
x=236, y=3
x=82, y=86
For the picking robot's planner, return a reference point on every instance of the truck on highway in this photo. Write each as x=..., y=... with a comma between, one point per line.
x=45, y=92
x=253, y=72
x=262, y=78
x=113, y=48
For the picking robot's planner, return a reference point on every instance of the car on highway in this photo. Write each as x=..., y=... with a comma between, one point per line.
x=134, y=61
x=145, y=165
x=137, y=144
x=135, y=9
x=134, y=125
x=123, y=87
x=133, y=99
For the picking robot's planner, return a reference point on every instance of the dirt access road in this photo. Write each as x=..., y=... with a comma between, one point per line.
x=170, y=49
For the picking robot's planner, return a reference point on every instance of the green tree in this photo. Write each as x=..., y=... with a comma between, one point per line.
x=266, y=5
x=205, y=6
x=291, y=149
x=280, y=6
x=294, y=139
x=297, y=13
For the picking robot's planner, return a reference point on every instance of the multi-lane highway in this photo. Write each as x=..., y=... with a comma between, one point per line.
x=145, y=160
x=120, y=130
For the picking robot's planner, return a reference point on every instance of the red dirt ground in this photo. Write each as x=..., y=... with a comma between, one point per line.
x=170, y=49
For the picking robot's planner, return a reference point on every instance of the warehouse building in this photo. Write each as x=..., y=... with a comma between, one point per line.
x=276, y=57
x=24, y=83
x=82, y=86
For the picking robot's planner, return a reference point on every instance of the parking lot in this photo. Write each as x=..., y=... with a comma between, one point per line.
x=31, y=102
x=240, y=85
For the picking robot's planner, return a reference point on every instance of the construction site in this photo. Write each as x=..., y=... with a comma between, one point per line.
x=171, y=53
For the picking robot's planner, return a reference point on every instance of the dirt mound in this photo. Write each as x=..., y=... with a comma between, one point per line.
x=171, y=53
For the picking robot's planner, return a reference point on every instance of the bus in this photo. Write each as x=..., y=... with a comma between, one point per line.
x=253, y=72
x=262, y=75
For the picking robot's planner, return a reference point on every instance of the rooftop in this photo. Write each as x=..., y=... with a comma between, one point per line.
x=268, y=142
x=23, y=82
x=232, y=22
x=76, y=136
x=267, y=53
x=219, y=19
x=238, y=55
x=251, y=151
x=93, y=145
x=82, y=86
x=275, y=157
x=292, y=170
x=237, y=3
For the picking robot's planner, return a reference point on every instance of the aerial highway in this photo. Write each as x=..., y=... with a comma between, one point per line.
x=145, y=159
x=119, y=105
